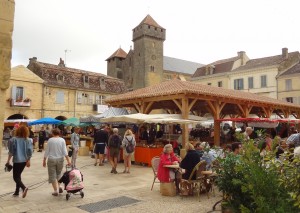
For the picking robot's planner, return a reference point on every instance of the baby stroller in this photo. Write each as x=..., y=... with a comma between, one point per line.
x=73, y=181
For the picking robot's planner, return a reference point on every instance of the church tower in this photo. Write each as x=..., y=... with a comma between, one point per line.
x=148, y=39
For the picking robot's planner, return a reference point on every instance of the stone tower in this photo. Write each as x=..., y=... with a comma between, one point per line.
x=148, y=39
x=115, y=64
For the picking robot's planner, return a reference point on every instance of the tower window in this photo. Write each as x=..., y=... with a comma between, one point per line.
x=151, y=68
x=155, y=28
x=148, y=26
x=162, y=30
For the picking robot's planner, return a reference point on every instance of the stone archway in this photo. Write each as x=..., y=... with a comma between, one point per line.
x=61, y=118
x=17, y=116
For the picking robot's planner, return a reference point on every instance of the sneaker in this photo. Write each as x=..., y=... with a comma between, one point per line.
x=55, y=194
x=101, y=164
x=24, y=192
x=60, y=190
x=95, y=164
x=15, y=195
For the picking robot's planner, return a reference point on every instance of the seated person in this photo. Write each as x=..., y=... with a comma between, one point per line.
x=209, y=155
x=189, y=161
x=199, y=149
x=168, y=157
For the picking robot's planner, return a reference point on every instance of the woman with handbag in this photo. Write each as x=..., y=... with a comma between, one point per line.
x=20, y=148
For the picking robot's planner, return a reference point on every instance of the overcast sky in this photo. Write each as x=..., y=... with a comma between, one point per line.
x=198, y=31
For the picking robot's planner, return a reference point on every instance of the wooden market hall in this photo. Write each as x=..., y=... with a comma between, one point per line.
x=185, y=97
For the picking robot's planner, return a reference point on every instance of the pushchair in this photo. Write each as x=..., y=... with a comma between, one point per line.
x=73, y=181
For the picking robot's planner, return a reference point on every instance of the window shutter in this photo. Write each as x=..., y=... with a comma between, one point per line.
x=242, y=84
x=294, y=100
x=79, y=97
x=234, y=84
x=14, y=92
x=24, y=93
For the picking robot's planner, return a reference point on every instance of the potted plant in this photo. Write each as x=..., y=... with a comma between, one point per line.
x=251, y=183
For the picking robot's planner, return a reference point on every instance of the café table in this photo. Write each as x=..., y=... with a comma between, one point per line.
x=176, y=169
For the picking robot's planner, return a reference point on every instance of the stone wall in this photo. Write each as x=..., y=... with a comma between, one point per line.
x=7, y=11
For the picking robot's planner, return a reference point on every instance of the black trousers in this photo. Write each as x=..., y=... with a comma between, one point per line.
x=41, y=144
x=17, y=171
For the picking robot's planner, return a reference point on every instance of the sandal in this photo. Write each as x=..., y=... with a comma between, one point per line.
x=95, y=164
x=60, y=190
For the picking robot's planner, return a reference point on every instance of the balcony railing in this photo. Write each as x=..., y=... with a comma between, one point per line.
x=23, y=103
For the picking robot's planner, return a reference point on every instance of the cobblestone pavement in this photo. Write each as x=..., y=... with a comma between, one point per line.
x=103, y=191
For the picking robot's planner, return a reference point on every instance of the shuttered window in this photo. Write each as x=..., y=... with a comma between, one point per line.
x=60, y=96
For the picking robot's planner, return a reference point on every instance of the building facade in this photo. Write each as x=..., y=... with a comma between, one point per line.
x=251, y=75
x=24, y=96
x=68, y=92
x=289, y=86
x=7, y=11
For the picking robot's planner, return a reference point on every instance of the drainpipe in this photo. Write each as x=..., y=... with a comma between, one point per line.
x=75, y=103
x=43, y=98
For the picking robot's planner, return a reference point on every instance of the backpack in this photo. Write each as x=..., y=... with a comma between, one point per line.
x=115, y=141
x=129, y=147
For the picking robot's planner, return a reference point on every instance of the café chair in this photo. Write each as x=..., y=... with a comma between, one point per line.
x=154, y=163
x=188, y=187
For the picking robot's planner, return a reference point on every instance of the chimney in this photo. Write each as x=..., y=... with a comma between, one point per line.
x=285, y=53
x=242, y=55
x=61, y=63
x=33, y=59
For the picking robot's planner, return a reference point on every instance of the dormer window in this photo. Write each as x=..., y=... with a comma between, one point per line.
x=102, y=83
x=86, y=79
x=60, y=77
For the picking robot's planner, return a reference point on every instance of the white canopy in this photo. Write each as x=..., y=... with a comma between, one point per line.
x=153, y=118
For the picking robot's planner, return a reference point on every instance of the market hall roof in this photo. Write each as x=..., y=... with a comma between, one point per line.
x=176, y=89
x=65, y=77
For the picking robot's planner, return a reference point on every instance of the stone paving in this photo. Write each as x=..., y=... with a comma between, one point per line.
x=100, y=185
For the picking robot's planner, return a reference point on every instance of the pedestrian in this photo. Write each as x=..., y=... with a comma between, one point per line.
x=6, y=137
x=100, y=141
x=42, y=138
x=55, y=152
x=20, y=149
x=128, y=141
x=114, y=144
x=75, y=138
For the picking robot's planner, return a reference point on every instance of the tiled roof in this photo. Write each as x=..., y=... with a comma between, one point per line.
x=174, y=87
x=73, y=78
x=150, y=21
x=293, y=70
x=119, y=53
x=266, y=61
x=220, y=66
x=179, y=65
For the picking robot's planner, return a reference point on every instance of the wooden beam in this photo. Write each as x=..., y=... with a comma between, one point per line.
x=192, y=104
x=148, y=107
x=178, y=104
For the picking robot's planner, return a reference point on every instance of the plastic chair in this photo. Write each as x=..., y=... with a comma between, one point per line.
x=155, y=162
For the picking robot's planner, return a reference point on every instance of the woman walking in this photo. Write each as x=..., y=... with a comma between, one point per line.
x=20, y=148
x=55, y=152
x=128, y=145
x=75, y=145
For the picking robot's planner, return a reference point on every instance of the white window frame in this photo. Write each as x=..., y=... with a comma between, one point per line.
x=263, y=81
x=288, y=85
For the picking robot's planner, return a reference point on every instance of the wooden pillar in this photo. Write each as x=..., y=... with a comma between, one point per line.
x=185, y=129
x=217, y=131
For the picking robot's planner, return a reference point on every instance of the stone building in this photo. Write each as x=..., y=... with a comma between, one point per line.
x=7, y=11
x=252, y=75
x=24, y=97
x=289, y=86
x=145, y=64
x=69, y=92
